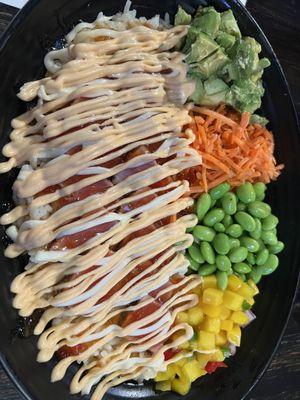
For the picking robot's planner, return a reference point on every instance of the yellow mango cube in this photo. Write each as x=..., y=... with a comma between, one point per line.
x=221, y=338
x=217, y=356
x=227, y=325
x=161, y=376
x=239, y=317
x=180, y=363
x=197, y=290
x=212, y=325
x=172, y=370
x=253, y=286
x=246, y=291
x=202, y=359
x=193, y=344
x=181, y=385
x=234, y=336
x=211, y=311
x=234, y=283
x=163, y=386
x=195, y=315
x=209, y=281
x=185, y=346
x=206, y=340
x=225, y=313
x=192, y=370
x=251, y=301
x=182, y=317
x=212, y=296
x=232, y=300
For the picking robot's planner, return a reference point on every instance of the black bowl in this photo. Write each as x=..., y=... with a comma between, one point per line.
x=37, y=28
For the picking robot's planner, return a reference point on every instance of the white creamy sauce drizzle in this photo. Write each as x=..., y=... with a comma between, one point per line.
x=110, y=113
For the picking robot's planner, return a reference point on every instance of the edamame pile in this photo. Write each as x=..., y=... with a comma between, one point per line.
x=236, y=234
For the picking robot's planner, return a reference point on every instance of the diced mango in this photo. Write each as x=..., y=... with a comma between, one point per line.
x=193, y=344
x=246, y=291
x=163, y=386
x=239, y=317
x=185, y=346
x=180, y=363
x=234, y=283
x=253, y=286
x=217, y=356
x=203, y=359
x=211, y=311
x=211, y=325
x=227, y=325
x=234, y=336
x=197, y=290
x=232, y=300
x=212, y=296
x=161, y=376
x=182, y=317
x=209, y=281
x=221, y=338
x=181, y=385
x=225, y=313
x=206, y=340
x=195, y=315
x=192, y=370
x=172, y=370
x=251, y=301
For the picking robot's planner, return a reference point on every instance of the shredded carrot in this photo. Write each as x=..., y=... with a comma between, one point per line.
x=232, y=150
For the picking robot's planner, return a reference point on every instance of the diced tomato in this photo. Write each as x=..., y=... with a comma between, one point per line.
x=212, y=366
x=170, y=353
x=67, y=351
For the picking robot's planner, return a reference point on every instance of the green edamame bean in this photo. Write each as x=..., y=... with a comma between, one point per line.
x=227, y=221
x=259, y=209
x=241, y=276
x=251, y=259
x=241, y=206
x=229, y=203
x=246, y=193
x=234, y=243
x=276, y=248
x=257, y=231
x=251, y=244
x=219, y=227
x=190, y=230
x=259, y=189
x=255, y=275
x=234, y=230
x=238, y=255
x=241, y=268
x=269, y=237
x=213, y=216
x=203, y=205
x=229, y=272
x=221, y=243
x=269, y=266
x=195, y=253
x=207, y=252
x=270, y=222
x=204, y=233
x=222, y=280
x=206, y=269
x=219, y=191
x=262, y=256
x=245, y=220
x=223, y=263
x=193, y=264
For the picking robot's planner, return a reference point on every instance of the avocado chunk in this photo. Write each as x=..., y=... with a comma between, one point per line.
x=225, y=40
x=258, y=119
x=198, y=94
x=211, y=64
x=215, y=91
x=203, y=47
x=190, y=38
x=245, y=95
x=229, y=25
x=208, y=21
x=182, y=17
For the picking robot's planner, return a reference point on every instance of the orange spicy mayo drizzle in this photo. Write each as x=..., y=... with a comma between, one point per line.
x=99, y=208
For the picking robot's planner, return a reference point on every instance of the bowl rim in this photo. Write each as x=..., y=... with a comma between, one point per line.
x=14, y=24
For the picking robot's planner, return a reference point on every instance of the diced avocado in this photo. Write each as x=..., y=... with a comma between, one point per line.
x=182, y=17
x=198, y=93
x=258, y=119
x=211, y=64
x=245, y=95
x=253, y=43
x=246, y=59
x=228, y=73
x=203, y=47
x=225, y=40
x=190, y=39
x=229, y=25
x=257, y=74
x=208, y=21
x=214, y=85
x=214, y=99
